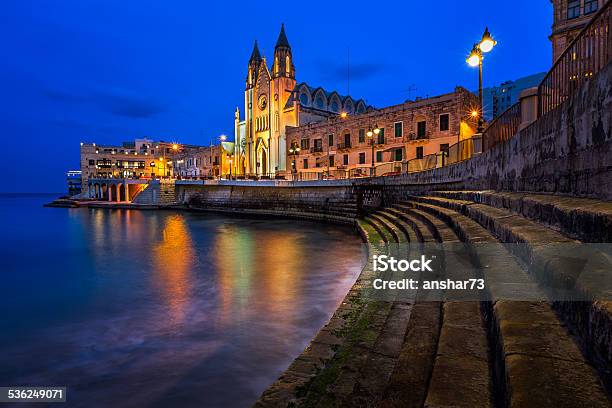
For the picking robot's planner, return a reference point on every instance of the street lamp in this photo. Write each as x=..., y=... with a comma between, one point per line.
x=371, y=133
x=475, y=58
x=222, y=139
x=294, y=150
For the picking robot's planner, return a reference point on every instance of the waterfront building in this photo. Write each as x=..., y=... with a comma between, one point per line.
x=273, y=101
x=411, y=130
x=205, y=162
x=498, y=99
x=141, y=159
x=570, y=16
x=73, y=180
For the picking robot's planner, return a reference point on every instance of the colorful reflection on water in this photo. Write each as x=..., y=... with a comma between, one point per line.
x=162, y=309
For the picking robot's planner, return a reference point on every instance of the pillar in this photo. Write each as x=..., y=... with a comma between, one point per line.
x=529, y=107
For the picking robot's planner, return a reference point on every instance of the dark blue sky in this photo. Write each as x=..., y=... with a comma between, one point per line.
x=111, y=70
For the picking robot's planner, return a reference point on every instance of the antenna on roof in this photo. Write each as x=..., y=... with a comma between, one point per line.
x=348, y=71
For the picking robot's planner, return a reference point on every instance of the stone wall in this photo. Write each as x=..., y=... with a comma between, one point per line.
x=330, y=203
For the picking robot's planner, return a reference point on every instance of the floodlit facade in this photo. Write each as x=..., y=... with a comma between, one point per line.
x=274, y=101
x=411, y=130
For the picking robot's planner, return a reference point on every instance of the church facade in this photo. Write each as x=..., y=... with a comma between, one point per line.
x=274, y=101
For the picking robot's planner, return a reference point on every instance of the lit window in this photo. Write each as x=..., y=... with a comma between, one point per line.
x=573, y=9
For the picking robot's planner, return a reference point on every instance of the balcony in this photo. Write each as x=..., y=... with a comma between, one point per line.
x=316, y=149
x=344, y=146
x=413, y=137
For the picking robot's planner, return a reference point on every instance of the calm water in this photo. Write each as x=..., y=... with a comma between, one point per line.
x=161, y=309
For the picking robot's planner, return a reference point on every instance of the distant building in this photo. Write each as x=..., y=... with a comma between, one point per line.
x=206, y=161
x=498, y=99
x=73, y=179
x=570, y=16
x=411, y=130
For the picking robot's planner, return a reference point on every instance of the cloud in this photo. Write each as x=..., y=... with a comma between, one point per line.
x=114, y=100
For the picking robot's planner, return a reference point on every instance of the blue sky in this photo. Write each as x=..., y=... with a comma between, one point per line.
x=106, y=71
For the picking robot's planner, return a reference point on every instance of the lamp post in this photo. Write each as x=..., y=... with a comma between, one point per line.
x=222, y=139
x=475, y=59
x=294, y=150
x=371, y=133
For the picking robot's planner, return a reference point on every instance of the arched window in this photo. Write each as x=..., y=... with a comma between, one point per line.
x=319, y=102
x=304, y=100
x=334, y=106
x=287, y=64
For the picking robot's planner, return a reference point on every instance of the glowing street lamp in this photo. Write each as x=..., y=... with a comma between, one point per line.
x=294, y=150
x=371, y=133
x=474, y=60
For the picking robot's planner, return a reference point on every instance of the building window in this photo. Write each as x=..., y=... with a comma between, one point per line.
x=347, y=140
x=381, y=136
x=345, y=159
x=92, y=162
x=590, y=6
x=444, y=147
x=399, y=155
x=305, y=144
x=399, y=129
x=573, y=9
x=379, y=157
x=330, y=140
x=334, y=107
x=331, y=161
x=361, y=135
x=361, y=158
x=419, y=152
x=421, y=129
x=444, y=122
x=304, y=99
x=305, y=163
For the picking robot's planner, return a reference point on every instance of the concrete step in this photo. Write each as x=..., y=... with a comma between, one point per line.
x=581, y=218
x=383, y=232
x=527, y=337
x=422, y=231
x=408, y=231
x=460, y=376
x=590, y=320
x=391, y=228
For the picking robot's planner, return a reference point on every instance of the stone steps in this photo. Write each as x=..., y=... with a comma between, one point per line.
x=590, y=320
x=526, y=337
x=584, y=219
x=410, y=234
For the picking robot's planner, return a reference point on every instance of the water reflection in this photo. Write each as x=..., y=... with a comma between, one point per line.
x=173, y=259
x=163, y=309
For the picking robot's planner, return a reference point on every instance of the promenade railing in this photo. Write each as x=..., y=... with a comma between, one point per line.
x=502, y=128
x=584, y=57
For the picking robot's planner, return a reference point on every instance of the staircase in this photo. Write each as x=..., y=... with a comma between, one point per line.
x=537, y=352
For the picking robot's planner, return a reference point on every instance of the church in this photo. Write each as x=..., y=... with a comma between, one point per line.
x=273, y=101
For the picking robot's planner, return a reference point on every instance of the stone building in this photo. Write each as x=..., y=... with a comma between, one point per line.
x=142, y=158
x=570, y=16
x=407, y=131
x=205, y=162
x=273, y=101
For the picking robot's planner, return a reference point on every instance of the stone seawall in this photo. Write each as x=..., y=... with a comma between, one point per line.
x=327, y=203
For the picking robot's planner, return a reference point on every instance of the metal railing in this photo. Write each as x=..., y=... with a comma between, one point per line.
x=428, y=162
x=458, y=152
x=588, y=54
x=502, y=128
